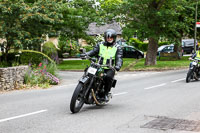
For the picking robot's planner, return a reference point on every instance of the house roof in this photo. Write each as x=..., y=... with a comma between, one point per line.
x=94, y=29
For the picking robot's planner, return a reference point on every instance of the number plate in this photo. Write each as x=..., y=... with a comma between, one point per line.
x=92, y=70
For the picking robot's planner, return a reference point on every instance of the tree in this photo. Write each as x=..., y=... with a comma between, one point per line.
x=154, y=19
x=25, y=22
x=76, y=17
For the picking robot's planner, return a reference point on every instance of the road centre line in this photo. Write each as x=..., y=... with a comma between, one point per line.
x=122, y=93
x=20, y=116
x=155, y=86
x=178, y=80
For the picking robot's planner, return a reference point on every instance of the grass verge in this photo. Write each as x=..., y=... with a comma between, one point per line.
x=73, y=65
x=130, y=64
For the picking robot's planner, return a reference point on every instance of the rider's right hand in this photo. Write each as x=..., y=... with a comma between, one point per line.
x=190, y=58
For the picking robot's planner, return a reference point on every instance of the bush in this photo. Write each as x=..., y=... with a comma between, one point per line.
x=33, y=57
x=138, y=44
x=88, y=48
x=42, y=75
x=50, y=50
x=143, y=46
x=62, y=46
x=4, y=64
x=68, y=46
x=73, y=49
x=25, y=57
x=10, y=59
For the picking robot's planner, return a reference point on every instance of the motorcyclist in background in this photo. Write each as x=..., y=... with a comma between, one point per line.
x=195, y=55
x=106, y=50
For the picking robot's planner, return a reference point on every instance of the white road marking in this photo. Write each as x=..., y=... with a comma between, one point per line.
x=122, y=93
x=20, y=116
x=61, y=86
x=178, y=80
x=134, y=74
x=155, y=86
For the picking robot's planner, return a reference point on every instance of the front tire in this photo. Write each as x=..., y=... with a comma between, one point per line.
x=77, y=100
x=189, y=75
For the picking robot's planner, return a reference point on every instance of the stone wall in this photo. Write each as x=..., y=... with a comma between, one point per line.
x=12, y=77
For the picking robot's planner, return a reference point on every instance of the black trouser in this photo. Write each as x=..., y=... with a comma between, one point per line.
x=108, y=80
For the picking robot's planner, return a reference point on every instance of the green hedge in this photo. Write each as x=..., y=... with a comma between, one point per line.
x=48, y=48
x=25, y=57
x=142, y=45
x=88, y=48
x=33, y=57
x=138, y=44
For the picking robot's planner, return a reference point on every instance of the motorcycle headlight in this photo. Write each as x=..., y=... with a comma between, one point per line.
x=194, y=63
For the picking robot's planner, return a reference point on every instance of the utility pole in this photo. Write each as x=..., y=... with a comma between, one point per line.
x=195, y=30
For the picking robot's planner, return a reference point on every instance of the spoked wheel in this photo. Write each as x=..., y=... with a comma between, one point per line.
x=77, y=100
x=189, y=76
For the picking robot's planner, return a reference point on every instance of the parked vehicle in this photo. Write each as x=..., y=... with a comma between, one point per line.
x=194, y=71
x=165, y=49
x=91, y=86
x=188, y=45
x=131, y=52
x=122, y=42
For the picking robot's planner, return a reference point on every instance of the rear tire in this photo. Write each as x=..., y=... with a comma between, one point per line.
x=189, y=76
x=77, y=100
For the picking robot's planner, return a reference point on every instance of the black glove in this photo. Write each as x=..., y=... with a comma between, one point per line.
x=117, y=68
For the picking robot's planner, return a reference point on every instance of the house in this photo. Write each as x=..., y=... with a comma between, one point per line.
x=54, y=40
x=95, y=30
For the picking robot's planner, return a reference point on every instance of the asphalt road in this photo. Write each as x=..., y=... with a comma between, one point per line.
x=138, y=98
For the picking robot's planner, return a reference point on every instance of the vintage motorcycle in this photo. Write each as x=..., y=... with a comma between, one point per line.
x=90, y=89
x=194, y=71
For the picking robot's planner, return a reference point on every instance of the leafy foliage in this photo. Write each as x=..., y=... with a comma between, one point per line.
x=143, y=45
x=42, y=75
x=33, y=57
x=77, y=15
x=156, y=19
x=50, y=50
x=68, y=46
x=23, y=23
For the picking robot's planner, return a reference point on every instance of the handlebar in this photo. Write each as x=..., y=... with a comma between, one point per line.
x=194, y=59
x=98, y=63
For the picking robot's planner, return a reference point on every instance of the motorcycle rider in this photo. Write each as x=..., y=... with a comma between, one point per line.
x=106, y=50
x=196, y=56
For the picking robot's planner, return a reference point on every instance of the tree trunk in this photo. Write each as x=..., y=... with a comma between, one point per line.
x=151, y=52
x=178, y=48
x=9, y=43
